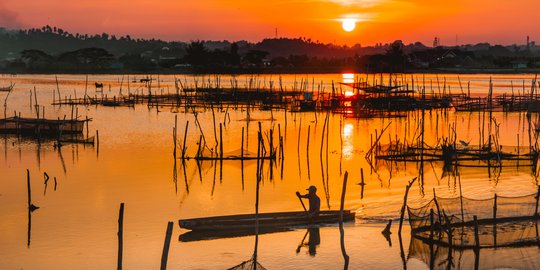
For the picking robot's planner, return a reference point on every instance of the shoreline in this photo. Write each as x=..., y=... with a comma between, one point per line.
x=278, y=71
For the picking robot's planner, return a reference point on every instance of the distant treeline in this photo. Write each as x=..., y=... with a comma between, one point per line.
x=54, y=50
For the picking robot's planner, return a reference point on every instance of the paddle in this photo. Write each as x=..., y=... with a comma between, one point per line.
x=302, y=202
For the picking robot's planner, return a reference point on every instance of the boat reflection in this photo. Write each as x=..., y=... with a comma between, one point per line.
x=192, y=236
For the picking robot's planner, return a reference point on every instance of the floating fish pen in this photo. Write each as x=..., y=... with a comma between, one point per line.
x=456, y=154
x=465, y=223
x=502, y=103
x=524, y=100
x=204, y=152
x=39, y=126
x=444, y=257
x=392, y=98
x=121, y=101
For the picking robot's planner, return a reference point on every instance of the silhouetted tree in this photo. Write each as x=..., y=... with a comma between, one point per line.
x=395, y=55
x=255, y=57
x=234, y=57
x=196, y=54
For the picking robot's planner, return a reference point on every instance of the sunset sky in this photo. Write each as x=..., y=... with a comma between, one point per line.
x=471, y=21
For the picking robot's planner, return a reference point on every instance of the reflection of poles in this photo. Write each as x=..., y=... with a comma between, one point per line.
x=242, y=158
x=402, y=252
x=476, y=243
x=31, y=207
x=29, y=227
x=307, y=151
x=185, y=175
x=298, y=150
x=175, y=177
x=341, y=231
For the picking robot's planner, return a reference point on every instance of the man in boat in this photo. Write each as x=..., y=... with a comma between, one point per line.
x=314, y=201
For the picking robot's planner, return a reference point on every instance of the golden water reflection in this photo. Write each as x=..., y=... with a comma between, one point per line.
x=135, y=166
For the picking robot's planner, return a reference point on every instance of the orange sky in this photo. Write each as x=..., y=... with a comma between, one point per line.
x=494, y=21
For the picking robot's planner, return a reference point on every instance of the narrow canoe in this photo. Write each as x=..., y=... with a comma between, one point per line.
x=266, y=220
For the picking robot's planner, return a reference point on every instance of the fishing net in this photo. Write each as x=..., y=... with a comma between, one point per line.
x=500, y=221
x=442, y=257
x=250, y=264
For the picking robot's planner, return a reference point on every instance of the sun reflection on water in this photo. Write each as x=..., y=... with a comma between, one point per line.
x=348, y=146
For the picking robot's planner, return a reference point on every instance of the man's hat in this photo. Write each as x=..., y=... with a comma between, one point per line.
x=312, y=188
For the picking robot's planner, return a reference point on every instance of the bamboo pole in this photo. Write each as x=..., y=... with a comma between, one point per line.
x=120, y=235
x=537, y=197
x=341, y=231
x=166, y=245
x=184, y=144
x=476, y=237
x=403, y=207
x=175, y=130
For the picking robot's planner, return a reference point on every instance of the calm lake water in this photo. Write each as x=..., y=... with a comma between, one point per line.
x=76, y=225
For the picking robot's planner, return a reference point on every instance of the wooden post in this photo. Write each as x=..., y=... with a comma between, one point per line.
x=184, y=144
x=166, y=245
x=120, y=235
x=280, y=142
x=175, y=130
x=494, y=207
x=403, y=207
x=307, y=147
x=476, y=237
x=344, y=189
x=57, y=87
x=341, y=231
x=537, y=197
x=257, y=186
x=362, y=183
x=432, y=226
x=495, y=220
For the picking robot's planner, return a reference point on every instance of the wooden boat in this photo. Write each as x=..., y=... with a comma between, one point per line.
x=266, y=220
x=6, y=88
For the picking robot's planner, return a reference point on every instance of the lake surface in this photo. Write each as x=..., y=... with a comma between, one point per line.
x=76, y=225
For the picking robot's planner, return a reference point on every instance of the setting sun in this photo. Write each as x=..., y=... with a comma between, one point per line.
x=348, y=25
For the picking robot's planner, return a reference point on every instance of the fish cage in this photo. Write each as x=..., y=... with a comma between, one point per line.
x=465, y=223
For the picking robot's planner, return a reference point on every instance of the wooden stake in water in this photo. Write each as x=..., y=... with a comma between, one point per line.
x=404, y=206
x=175, y=130
x=166, y=245
x=184, y=144
x=341, y=231
x=120, y=235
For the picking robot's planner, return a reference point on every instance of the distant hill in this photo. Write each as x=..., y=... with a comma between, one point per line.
x=52, y=49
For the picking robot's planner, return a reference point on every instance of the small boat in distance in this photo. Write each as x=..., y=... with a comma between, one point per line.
x=7, y=88
x=266, y=220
